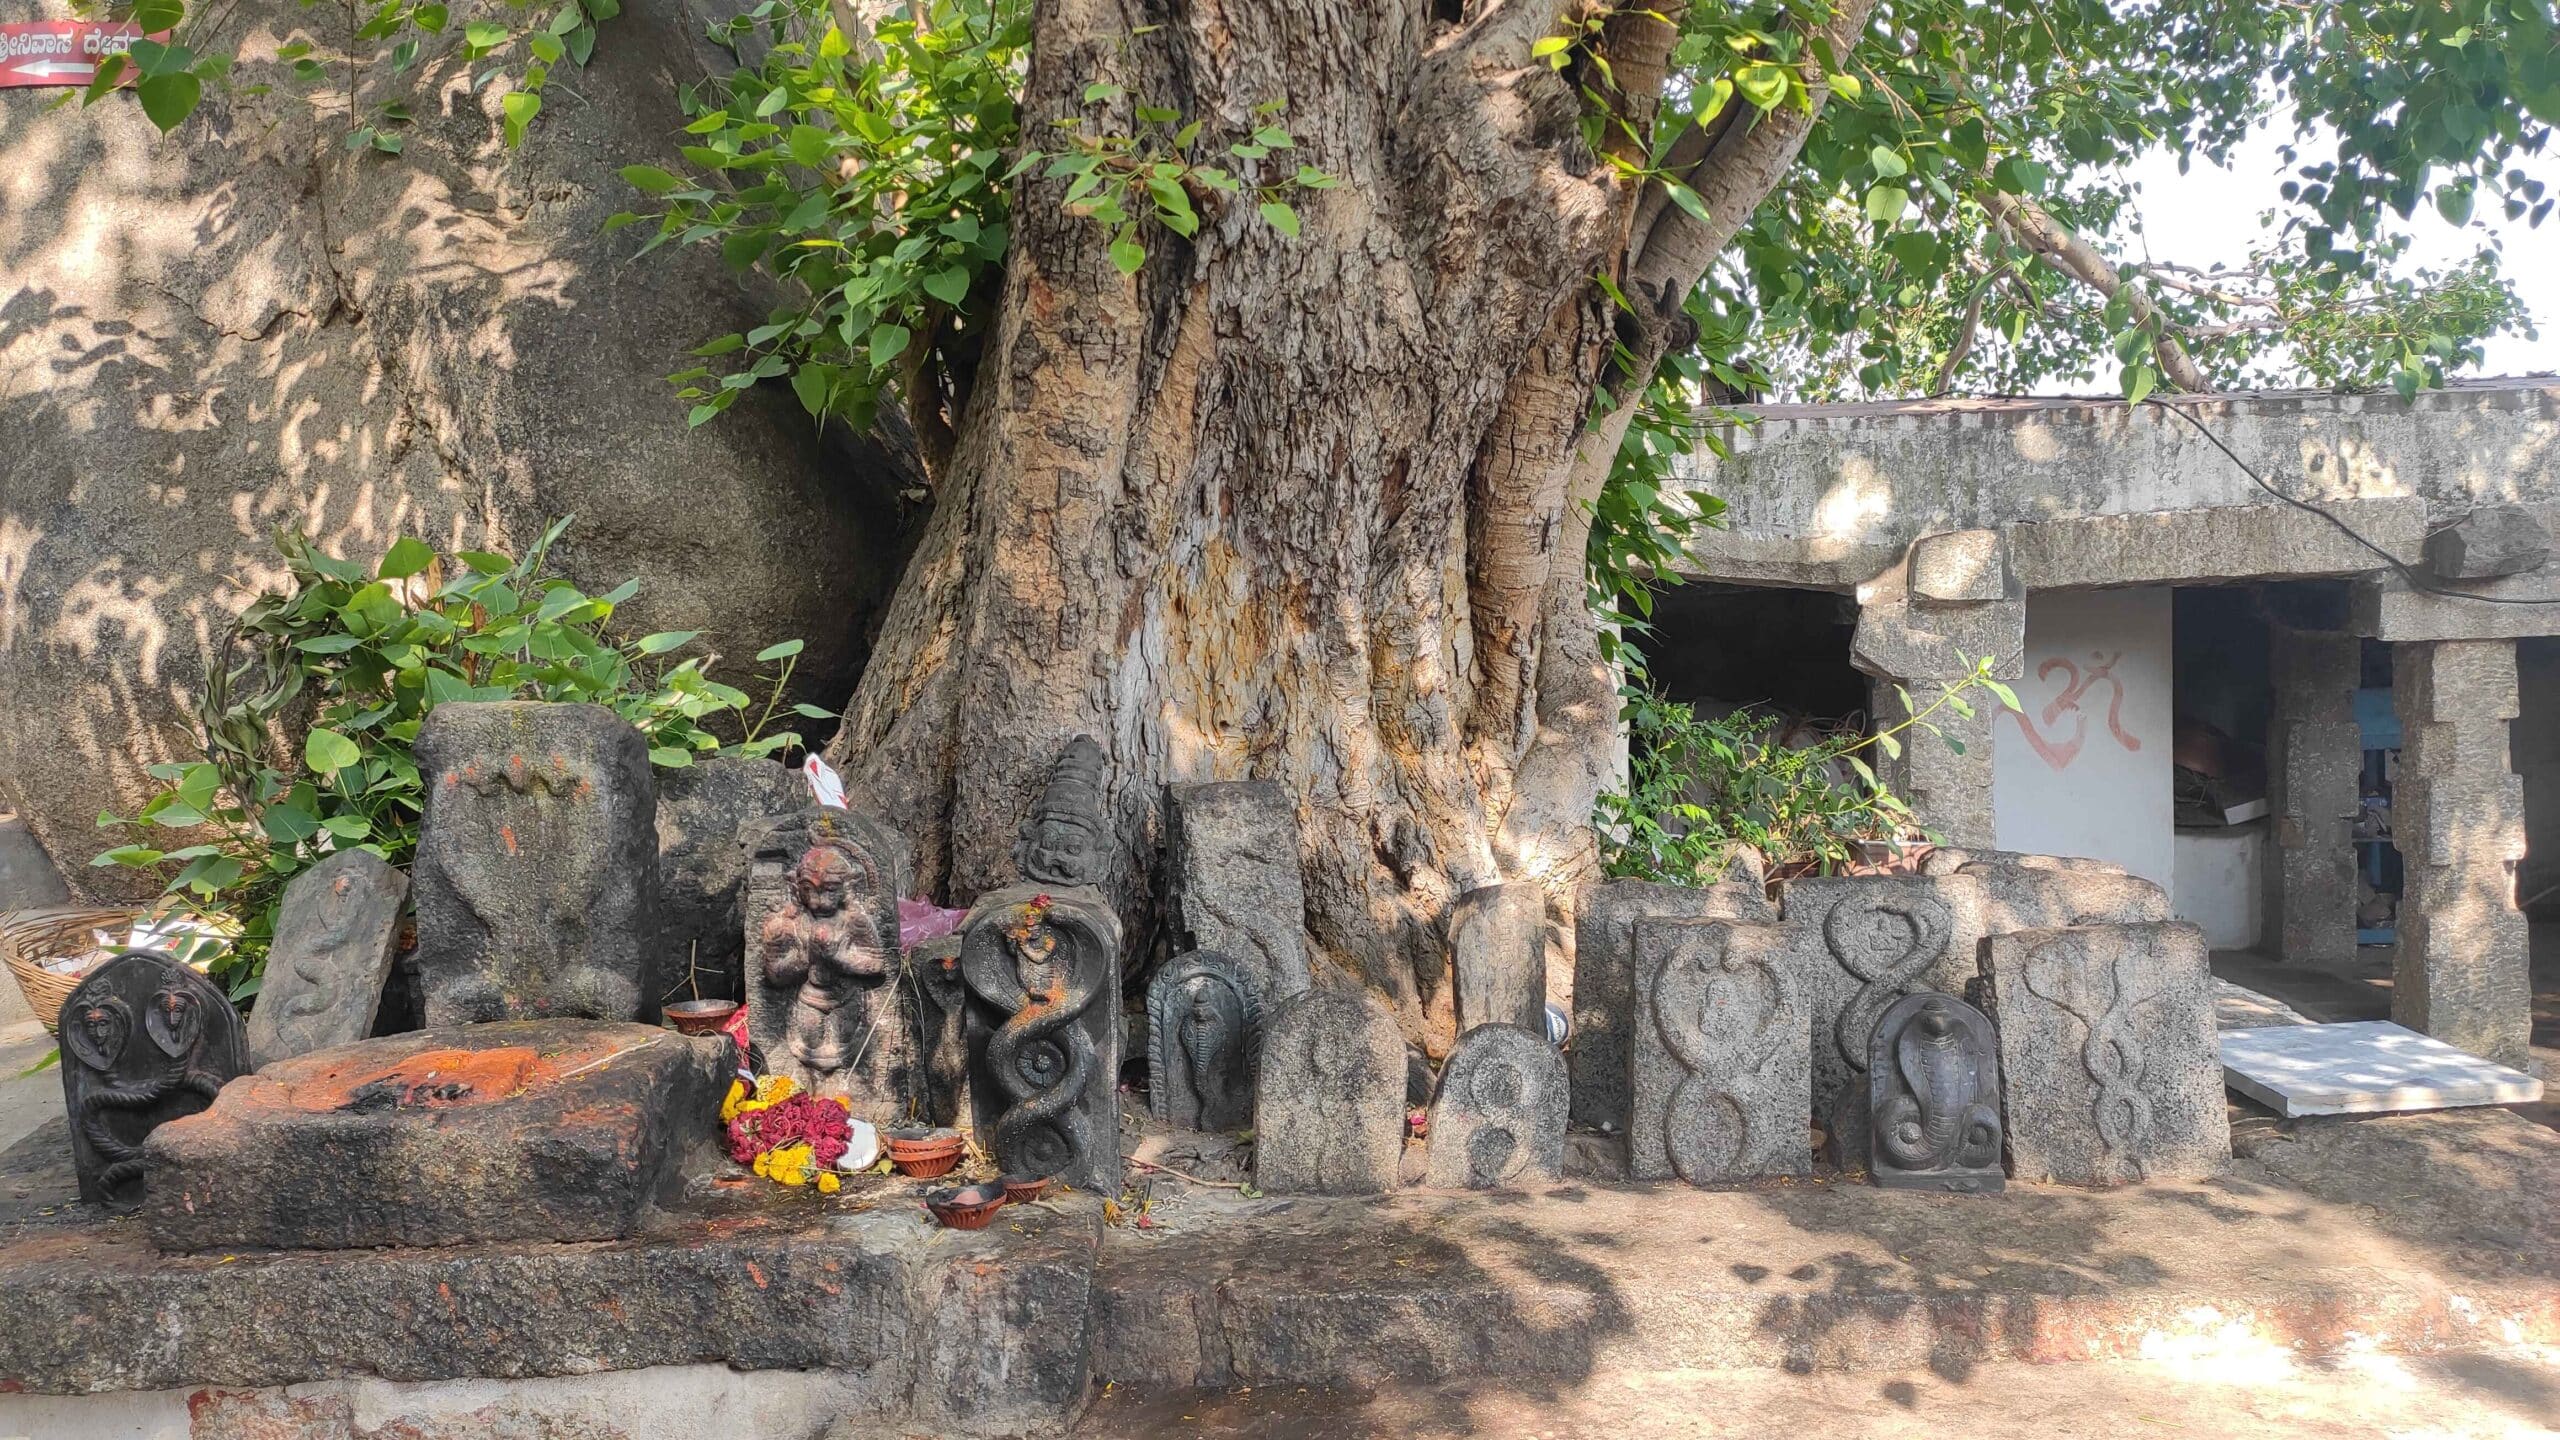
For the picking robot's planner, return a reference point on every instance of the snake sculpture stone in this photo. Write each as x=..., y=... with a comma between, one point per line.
x=1048, y=964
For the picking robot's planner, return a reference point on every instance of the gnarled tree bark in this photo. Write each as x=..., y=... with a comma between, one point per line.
x=1304, y=509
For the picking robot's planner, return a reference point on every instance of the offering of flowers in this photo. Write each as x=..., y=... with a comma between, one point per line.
x=787, y=1136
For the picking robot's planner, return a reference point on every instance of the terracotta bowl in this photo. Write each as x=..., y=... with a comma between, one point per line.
x=700, y=1017
x=924, y=1154
x=1018, y=1188
x=969, y=1207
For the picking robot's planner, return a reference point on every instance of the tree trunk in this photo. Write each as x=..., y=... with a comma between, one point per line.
x=1297, y=509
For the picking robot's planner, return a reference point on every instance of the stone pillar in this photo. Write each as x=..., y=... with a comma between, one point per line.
x=2314, y=751
x=1921, y=624
x=2458, y=819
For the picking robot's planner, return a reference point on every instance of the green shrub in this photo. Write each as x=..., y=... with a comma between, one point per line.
x=1697, y=787
x=337, y=672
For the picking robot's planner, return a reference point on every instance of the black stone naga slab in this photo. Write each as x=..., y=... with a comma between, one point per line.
x=1067, y=839
x=1933, y=1080
x=145, y=1041
x=517, y=1130
x=1204, y=1040
x=1043, y=974
x=537, y=865
x=335, y=938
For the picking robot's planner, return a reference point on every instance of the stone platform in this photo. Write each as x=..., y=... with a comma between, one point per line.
x=2433, y=1234
x=516, y=1130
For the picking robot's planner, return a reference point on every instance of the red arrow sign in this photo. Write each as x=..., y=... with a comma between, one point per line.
x=62, y=52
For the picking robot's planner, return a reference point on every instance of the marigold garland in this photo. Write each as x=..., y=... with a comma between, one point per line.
x=786, y=1136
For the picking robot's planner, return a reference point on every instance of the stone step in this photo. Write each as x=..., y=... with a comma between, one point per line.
x=2242, y=1392
x=2419, y=1234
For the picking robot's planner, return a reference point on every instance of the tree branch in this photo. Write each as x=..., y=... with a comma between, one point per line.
x=2075, y=257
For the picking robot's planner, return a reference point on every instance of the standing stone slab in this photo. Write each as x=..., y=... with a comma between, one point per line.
x=334, y=942
x=1204, y=1040
x=1043, y=971
x=1872, y=939
x=1328, y=1111
x=145, y=1041
x=2023, y=897
x=1933, y=1078
x=555, y=1130
x=1237, y=889
x=2107, y=1046
x=943, y=1027
x=537, y=865
x=1723, y=1077
x=707, y=815
x=1604, y=970
x=825, y=1004
x=1498, y=1118
x=1498, y=956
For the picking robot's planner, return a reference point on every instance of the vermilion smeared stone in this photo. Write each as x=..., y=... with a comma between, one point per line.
x=518, y=1130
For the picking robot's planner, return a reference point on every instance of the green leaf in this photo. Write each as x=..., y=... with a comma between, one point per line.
x=405, y=558
x=327, y=752
x=2138, y=380
x=1687, y=199
x=1281, y=217
x=169, y=99
x=1888, y=162
x=153, y=16
x=520, y=107
x=348, y=827
x=287, y=825
x=1885, y=203
x=483, y=36
x=663, y=641
x=888, y=342
x=131, y=856
x=667, y=757
x=650, y=179
x=814, y=712
x=948, y=286
x=1127, y=253
x=782, y=650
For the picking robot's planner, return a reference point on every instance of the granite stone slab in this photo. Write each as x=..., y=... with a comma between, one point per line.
x=334, y=942
x=2363, y=1067
x=1604, y=970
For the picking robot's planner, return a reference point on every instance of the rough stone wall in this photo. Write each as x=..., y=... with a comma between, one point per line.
x=247, y=325
x=2458, y=819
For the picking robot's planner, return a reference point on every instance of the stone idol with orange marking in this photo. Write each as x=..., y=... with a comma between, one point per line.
x=825, y=1005
x=555, y=1130
x=536, y=875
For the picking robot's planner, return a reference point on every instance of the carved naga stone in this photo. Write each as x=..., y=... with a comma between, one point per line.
x=1041, y=961
x=1204, y=1038
x=145, y=1040
x=1933, y=1074
x=824, y=1008
x=1043, y=973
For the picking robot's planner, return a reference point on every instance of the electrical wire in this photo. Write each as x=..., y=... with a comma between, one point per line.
x=2416, y=579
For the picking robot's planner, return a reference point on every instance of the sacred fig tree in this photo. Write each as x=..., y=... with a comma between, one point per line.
x=1295, y=386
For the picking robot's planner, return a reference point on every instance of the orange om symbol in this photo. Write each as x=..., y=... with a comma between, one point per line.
x=2060, y=754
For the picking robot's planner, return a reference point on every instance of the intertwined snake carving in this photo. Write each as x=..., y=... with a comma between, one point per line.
x=1924, y=923
x=1706, y=1130
x=2111, y=1051
x=1044, y=1059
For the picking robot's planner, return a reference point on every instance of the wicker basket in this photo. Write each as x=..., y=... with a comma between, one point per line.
x=28, y=937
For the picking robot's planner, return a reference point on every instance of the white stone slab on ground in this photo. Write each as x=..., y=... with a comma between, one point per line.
x=2363, y=1067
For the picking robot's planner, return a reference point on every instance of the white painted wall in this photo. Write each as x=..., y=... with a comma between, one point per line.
x=2219, y=887
x=2085, y=771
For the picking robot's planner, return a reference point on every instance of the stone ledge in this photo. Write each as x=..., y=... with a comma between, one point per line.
x=980, y=1327
x=2412, y=1233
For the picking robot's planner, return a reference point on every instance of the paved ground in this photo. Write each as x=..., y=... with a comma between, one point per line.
x=2238, y=1392
x=2361, y=990
x=29, y=1096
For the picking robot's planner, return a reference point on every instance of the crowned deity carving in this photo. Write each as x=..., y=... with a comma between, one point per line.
x=1204, y=1038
